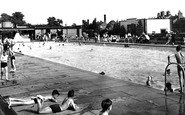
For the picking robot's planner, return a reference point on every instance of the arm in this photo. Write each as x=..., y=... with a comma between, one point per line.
x=52, y=99
x=47, y=98
x=169, y=57
x=73, y=105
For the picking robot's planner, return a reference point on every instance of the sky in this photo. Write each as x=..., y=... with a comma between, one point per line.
x=74, y=11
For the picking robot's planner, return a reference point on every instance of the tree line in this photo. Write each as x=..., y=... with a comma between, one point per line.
x=17, y=18
x=99, y=27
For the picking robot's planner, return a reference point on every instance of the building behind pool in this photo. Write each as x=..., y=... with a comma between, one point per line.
x=7, y=29
x=154, y=25
x=149, y=26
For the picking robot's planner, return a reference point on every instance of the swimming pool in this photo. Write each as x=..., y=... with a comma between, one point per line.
x=133, y=64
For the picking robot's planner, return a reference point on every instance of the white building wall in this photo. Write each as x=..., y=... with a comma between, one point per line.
x=156, y=25
x=70, y=32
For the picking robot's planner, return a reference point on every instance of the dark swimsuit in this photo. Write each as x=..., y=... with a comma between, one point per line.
x=35, y=100
x=3, y=64
x=55, y=108
x=13, y=57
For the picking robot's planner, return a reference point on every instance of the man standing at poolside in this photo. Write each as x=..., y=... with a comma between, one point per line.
x=180, y=60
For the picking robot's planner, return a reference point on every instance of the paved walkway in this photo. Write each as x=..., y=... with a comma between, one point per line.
x=37, y=76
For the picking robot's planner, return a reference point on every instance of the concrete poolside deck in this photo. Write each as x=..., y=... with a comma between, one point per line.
x=37, y=76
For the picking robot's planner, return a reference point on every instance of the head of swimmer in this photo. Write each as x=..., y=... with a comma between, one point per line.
x=55, y=94
x=70, y=94
x=178, y=48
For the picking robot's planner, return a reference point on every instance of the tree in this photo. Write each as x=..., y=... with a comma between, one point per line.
x=132, y=29
x=139, y=28
x=95, y=25
x=179, y=26
x=122, y=31
x=17, y=18
x=52, y=21
x=110, y=25
x=5, y=17
x=60, y=22
x=73, y=25
x=85, y=24
x=114, y=28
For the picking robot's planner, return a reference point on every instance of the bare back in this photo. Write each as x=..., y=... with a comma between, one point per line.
x=68, y=102
x=179, y=57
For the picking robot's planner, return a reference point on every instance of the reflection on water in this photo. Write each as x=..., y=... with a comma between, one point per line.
x=180, y=106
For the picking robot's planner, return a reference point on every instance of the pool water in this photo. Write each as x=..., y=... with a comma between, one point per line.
x=133, y=64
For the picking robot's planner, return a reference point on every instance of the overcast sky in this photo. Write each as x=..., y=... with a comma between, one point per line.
x=74, y=11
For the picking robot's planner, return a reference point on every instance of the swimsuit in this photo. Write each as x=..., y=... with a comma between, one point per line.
x=3, y=64
x=35, y=100
x=4, y=61
x=13, y=57
x=55, y=108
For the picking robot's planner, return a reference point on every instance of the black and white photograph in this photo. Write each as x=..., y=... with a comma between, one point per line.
x=92, y=57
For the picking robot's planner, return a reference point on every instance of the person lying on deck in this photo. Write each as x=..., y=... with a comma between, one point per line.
x=68, y=103
x=33, y=100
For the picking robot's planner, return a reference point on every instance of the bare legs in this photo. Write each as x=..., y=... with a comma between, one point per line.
x=5, y=69
x=15, y=101
x=13, y=64
x=40, y=105
x=6, y=72
x=181, y=80
x=1, y=73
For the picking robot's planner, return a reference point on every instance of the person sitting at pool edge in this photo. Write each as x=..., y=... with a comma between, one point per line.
x=33, y=100
x=68, y=103
x=106, y=107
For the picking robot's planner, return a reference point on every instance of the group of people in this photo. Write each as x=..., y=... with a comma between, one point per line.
x=6, y=54
x=67, y=104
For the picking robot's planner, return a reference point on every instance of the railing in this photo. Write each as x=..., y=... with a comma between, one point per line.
x=172, y=63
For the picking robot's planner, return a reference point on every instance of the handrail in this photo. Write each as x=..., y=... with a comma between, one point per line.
x=180, y=65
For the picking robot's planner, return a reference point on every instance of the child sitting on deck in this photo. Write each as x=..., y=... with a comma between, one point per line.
x=67, y=103
x=106, y=107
